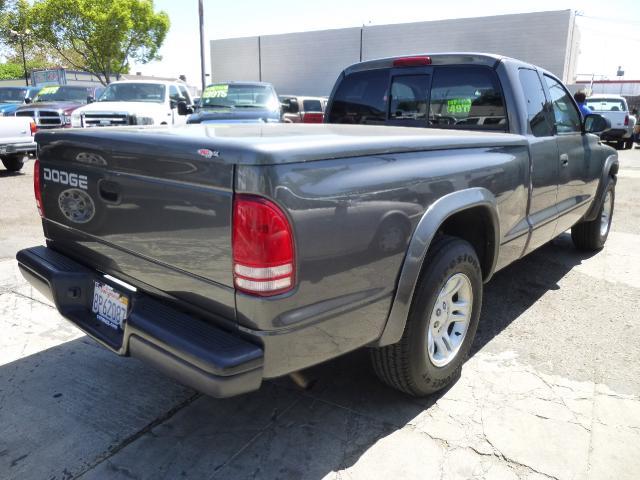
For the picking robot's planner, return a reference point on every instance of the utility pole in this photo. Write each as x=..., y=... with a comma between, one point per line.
x=20, y=36
x=201, y=18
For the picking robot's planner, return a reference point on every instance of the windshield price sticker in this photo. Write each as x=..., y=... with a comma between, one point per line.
x=48, y=90
x=458, y=105
x=216, y=91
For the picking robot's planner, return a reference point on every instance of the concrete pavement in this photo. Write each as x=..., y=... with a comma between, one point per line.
x=552, y=389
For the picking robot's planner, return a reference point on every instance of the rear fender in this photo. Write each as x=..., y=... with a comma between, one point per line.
x=422, y=237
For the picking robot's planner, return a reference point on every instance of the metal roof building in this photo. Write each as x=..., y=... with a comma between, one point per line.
x=309, y=62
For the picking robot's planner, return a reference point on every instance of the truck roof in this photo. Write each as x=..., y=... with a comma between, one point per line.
x=447, y=58
x=270, y=144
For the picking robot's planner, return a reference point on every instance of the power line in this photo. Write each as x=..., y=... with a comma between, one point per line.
x=608, y=19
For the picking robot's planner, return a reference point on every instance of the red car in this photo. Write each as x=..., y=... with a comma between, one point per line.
x=297, y=109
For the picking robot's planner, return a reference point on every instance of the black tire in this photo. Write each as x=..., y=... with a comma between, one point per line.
x=628, y=144
x=406, y=365
x=13, y=163
x=588, y=236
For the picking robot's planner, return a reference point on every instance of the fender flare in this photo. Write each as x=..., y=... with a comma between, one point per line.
x=423, y=235
x=610, y=169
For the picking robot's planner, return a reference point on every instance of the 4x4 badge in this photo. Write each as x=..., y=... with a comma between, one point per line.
x=206, y=153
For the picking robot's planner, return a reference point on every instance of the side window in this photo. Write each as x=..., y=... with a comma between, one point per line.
x=174, y=94
x=361, y=98
x=565, y=112
x=467, y=98
x=409, y=97
x=536, y=101
x=312, y=106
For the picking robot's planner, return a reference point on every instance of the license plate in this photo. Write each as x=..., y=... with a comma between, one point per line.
x=3, y=150
x=111, y=307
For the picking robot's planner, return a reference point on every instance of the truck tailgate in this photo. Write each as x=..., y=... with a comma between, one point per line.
x=160, y=216
x=15, y=130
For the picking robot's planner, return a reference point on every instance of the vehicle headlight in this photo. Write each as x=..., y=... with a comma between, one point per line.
x=76, y=121
x=140, y=120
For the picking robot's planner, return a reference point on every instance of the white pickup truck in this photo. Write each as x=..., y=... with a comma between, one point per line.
x=614, y=108
x=137, y=102
x=16, y=141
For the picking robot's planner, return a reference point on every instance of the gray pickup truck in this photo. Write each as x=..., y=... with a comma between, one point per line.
x=228, y=254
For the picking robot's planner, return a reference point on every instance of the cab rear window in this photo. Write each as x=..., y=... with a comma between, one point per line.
x=361, y=98
x=457, y=97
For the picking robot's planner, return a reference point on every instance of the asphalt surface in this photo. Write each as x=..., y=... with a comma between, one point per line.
x=552, y=389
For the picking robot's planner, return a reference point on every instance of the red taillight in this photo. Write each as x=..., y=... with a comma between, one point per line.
x=417, y=61
x=626, y=119
x=313, y=117
x=33, y=127
x=37, y=188
x=262, y=240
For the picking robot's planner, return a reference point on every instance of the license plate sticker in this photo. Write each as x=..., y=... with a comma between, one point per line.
x=110, y=306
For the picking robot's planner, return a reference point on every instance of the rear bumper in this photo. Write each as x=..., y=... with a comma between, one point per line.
x=615, y=134
x=197, y=354
x=11, y=148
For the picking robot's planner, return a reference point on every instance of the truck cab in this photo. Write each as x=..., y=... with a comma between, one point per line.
x=137, y=102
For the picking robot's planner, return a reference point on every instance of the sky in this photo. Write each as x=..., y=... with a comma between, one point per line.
x=610, y=30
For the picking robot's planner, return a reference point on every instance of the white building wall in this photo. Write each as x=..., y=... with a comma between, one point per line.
x=538, y=38
x=309, y=62
x=235, y=59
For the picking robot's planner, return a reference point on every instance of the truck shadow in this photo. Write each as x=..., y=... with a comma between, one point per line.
x=7, y=173
x=81, y=408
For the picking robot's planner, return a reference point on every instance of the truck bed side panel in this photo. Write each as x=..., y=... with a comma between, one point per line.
x=347, y=214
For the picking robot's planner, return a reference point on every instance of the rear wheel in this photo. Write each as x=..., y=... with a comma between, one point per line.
x=441, y=325
x=13, y=163
x=628, y=143
x=592, y=235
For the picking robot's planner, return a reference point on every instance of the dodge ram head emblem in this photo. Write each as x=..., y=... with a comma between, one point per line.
x=206, y=153
x=76, y=205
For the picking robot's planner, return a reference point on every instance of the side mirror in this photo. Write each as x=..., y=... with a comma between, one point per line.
x=90, y=99
x=594, y=123
x=28, y=100
x=183, y=109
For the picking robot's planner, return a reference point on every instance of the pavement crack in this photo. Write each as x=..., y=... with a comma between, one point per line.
x=22, y=295
x=135, y=436
x=252, y=440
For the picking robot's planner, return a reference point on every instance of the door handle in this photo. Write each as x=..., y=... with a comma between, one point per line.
x=564, y=160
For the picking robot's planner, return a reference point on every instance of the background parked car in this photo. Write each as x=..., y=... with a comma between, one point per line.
x=297, y=109
x=137, y=102
x=615, y=108
x=13, y=97
x=238, y=102
x=54, y=104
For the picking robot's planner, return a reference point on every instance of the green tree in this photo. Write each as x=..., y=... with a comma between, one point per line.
x=100, y=36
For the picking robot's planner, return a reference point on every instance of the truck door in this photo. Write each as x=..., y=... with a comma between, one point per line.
x=543, y=149
x=573, y=183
